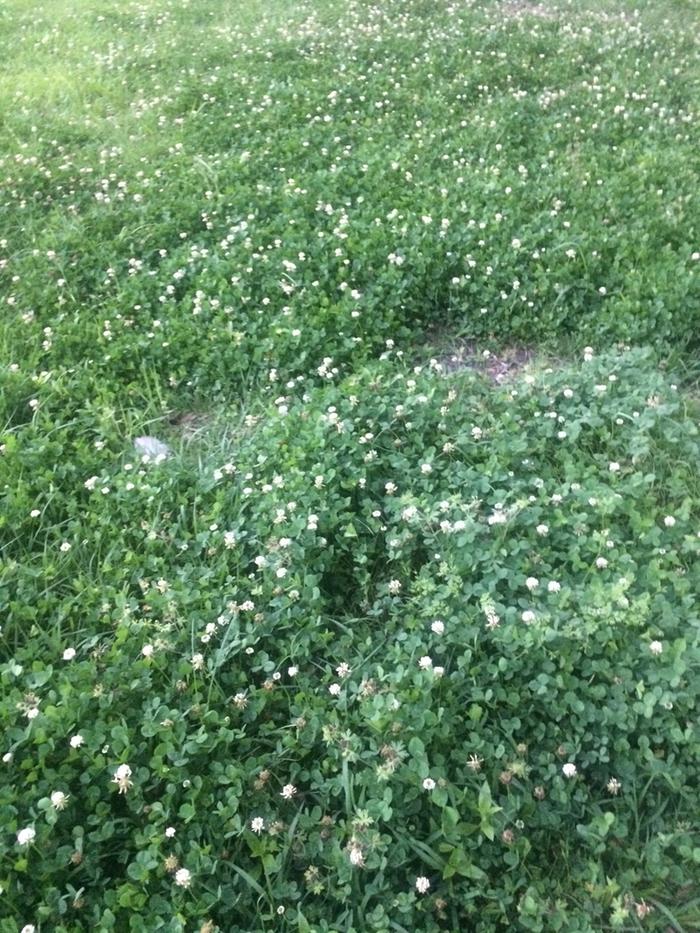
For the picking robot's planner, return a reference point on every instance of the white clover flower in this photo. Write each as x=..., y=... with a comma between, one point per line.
x=240, y=700
x=28, y=928
x=356, y=857
x=601, y=563
x=669, y=521
x=197, y=662
x=474, y=763
x=426, y=468
x=438, y=627
x=183, y=877
x=257, y=824
x=76, y=741
x=425, y=662
x=147, y=651
x=343, y=669
x=59, y=800
x=26, y=836
x=422, y=885
x=169, y=832
x=614, y=786
x=122, y=777
x=334, y=689
x=65, y=546
x=532, y=583
x=569, y=770
x=528, y=616
x=293, y=670
x=614, y=467
x=553, y=586
x=394, y=587
x=429, y=784
x=542, y=529
x=68, y=654
x=288, y=791
x=656, y=647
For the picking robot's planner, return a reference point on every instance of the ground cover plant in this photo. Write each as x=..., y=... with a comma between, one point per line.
x=310, y=622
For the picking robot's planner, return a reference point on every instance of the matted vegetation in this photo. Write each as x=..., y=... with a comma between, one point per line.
x=387, y=633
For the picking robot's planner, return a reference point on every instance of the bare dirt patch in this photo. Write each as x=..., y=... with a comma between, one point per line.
x=499, y=367
x=190, y=424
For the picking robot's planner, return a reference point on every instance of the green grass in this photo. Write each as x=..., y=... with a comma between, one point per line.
x=255, y=230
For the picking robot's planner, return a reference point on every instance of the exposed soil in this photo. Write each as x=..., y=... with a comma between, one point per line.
x=190, y=423
x=499, y=367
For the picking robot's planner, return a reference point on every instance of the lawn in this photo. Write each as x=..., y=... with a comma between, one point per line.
x=349, y=466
